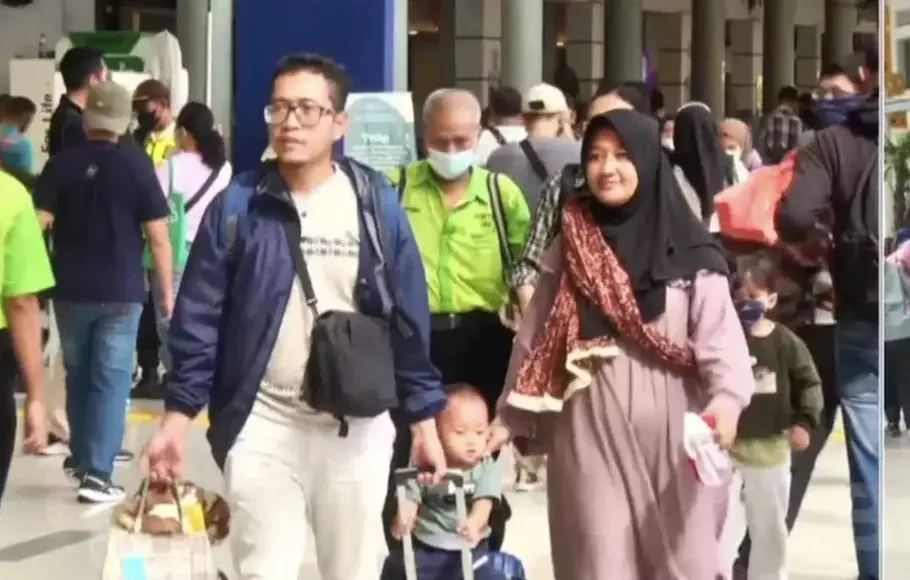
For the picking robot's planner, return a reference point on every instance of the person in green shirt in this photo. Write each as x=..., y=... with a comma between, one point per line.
x=470, y=226
x=25, y=271
x=782, y=414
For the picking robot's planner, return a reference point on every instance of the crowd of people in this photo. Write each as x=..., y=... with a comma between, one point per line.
x=547, y=279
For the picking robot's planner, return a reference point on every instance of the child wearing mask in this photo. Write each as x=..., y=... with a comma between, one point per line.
x=783, y=412
x=430, y=513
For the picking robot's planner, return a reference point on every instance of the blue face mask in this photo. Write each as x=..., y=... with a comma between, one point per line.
x=750, y=312
x=830, y=112
x=450, y=165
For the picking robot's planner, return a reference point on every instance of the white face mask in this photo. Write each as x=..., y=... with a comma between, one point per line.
x=735, y=152
x=667, y=143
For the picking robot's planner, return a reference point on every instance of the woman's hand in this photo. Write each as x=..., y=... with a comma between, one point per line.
x=499, y=437
x=722, y=415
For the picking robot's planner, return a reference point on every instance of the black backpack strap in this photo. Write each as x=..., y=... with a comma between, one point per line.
x=402, y=182
x=497, y=134
x=500, y=221
x=537, y=165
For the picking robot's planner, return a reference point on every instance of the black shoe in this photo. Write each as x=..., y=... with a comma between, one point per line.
x=893, y=430
x=124, y=456
x=99, y=490
x=150, y=389
x=69, y=469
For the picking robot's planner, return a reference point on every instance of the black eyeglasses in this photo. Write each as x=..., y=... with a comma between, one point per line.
x=308, y=113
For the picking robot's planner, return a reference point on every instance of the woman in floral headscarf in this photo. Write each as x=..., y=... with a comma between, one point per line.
x=631, y=327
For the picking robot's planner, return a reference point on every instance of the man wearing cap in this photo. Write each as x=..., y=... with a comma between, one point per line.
x=152, y=105
x=100, y=197
x=548, y=148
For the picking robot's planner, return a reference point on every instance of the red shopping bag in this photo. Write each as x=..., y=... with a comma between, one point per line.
x=745, y=211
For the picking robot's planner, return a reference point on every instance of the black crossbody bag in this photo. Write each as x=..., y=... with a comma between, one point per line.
x=351, y=369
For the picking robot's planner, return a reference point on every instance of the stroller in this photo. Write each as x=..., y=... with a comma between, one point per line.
x=492, y=565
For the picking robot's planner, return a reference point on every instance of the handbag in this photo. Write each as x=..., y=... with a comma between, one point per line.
x=351, y=368
x=133, y=555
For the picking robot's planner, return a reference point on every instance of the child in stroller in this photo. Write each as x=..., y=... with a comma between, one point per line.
x=450, y=522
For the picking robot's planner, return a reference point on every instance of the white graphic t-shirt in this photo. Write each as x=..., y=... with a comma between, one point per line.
x=330, y=241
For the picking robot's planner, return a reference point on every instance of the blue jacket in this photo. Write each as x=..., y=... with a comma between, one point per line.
x=235, y=289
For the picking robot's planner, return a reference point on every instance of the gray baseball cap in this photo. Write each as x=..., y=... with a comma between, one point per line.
x=109, y=108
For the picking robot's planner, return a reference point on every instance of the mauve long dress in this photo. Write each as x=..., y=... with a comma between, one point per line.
x=624, y=503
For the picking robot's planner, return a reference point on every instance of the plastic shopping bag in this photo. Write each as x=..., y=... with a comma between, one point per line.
x=712, y=464
x=745, y=211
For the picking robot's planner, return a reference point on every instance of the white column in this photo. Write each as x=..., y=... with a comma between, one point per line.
x=551, y=12
x=808, y=57
x=222, y=66
x=746, y=64
x=469, y=45
x=192, y=23
x=622, y=40
x=522, y=43
x=778, y=48
x=584, y=44
x=708, y=23
x=669, y=37
x=840, y=22
x=401, y=45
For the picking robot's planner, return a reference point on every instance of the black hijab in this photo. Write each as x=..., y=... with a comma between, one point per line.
x=655, y=236
x=697, y=151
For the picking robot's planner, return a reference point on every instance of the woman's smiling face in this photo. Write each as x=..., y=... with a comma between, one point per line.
x=612, y=177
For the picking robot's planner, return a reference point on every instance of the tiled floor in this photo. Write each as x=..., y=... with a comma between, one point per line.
x=46, y=535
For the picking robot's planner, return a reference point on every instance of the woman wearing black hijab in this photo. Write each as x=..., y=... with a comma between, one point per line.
x=702, y=168
x=631, y=326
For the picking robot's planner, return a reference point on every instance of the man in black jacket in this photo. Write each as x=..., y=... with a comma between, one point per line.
x=835, y=189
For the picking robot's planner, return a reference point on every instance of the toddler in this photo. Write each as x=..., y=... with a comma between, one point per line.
x=783, y=412
x=430, y=513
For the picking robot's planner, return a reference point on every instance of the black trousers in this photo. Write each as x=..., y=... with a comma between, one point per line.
x=9, y=368
x=476, y=352
x=147, y=343
x=820, y=340
x=897, y=381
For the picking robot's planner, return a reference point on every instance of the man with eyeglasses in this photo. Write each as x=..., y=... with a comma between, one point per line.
x=242, y=335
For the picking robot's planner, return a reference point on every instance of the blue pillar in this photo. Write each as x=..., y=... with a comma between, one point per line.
x=358, y=34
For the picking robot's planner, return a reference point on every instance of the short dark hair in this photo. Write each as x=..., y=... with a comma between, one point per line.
x=20, y=106
x=152, y=90
x=78, y=65
x=788, y=94
x=870, y=59
x=636, y=93
x=505, y=101
x=334, y=74
x=834, y=69
x=759, y=269
x=657, y=100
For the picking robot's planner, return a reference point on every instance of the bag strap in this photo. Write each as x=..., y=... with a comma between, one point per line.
x=402, y=181
x=170, y=178
x=499, y=219
x=206, y=185
x=537, y=165
x=300, y=268
x=497, y=134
